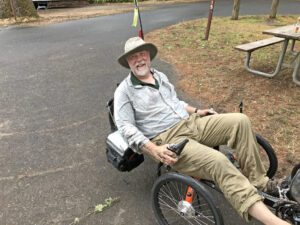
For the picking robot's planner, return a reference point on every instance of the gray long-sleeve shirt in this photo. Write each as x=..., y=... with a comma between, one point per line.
x=142, y=112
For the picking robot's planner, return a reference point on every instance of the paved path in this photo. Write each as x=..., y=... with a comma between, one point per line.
x=54, y=84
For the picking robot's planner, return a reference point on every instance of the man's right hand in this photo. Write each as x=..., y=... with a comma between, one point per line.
x=166, y=156
x=161, y=153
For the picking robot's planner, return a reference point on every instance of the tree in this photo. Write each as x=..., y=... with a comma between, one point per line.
x=274, y=9
x=17, y=8
x=236, y=9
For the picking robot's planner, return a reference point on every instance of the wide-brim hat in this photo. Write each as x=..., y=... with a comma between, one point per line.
x=134, y=45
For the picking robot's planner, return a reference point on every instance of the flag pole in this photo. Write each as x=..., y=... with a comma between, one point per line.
x=141, y=33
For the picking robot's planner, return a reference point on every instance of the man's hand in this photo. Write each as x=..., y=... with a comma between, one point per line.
x=165, y=155
x=206, y=112
x=161, y=153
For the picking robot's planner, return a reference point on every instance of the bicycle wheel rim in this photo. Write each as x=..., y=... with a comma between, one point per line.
x=168, y=202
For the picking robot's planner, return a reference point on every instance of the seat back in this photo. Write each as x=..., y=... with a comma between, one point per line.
x=121, y=159
x=110, y=107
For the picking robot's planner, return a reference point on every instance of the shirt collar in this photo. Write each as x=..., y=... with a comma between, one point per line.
x=136, y=82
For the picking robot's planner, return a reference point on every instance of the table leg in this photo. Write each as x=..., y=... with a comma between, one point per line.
x=292, y=48
x=296, y=70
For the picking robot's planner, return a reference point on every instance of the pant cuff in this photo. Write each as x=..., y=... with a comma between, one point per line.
x=247, y=205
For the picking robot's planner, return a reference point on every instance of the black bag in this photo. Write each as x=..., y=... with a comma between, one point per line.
x=118, y=152
x=120, y=155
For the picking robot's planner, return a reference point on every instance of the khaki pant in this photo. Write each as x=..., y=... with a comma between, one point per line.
x=198, y=159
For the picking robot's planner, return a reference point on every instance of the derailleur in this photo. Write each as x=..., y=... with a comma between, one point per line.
x=288, y=210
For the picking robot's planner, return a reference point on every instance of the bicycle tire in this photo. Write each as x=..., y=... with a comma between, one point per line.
x=272, y=158
x=295, y=170
x=168, y=200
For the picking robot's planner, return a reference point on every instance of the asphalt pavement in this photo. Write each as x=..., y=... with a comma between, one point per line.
x=55, y=81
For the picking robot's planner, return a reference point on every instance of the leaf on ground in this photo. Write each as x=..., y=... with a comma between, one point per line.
x=98, y=208
x=108, y=202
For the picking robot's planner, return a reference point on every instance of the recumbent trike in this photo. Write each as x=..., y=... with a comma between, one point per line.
x=180, y=199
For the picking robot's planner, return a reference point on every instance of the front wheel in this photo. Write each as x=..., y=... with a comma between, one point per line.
x=170, y=205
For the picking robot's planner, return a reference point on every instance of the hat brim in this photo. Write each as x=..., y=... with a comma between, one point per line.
x=146, y=46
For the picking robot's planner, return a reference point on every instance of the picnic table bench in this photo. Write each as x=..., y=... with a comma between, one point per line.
x=250, y=47
x=282, y=34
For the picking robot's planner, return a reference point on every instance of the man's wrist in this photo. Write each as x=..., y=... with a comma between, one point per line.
x=149, y=147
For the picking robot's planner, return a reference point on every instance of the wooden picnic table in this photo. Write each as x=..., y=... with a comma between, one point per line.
x=284, y=32
x=288, y=33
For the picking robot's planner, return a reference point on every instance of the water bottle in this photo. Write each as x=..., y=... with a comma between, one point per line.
x=297, y=25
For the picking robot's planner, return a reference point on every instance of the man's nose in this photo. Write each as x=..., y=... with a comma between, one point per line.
x=139, y=58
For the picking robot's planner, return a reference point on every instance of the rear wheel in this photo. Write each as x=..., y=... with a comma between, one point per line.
x=267, y=155
x=171, y=207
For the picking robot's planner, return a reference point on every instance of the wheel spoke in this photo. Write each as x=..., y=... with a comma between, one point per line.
x=170, y=197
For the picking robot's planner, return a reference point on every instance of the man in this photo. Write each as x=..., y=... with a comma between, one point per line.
x=149, y=115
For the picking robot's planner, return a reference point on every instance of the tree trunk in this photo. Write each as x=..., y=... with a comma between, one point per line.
x=274, y=9
x=10, y=8
x=236, y=9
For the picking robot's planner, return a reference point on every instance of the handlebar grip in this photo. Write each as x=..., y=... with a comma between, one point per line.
x=177, y=148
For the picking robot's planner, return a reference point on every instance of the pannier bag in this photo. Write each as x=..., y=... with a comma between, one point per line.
x=119, y=154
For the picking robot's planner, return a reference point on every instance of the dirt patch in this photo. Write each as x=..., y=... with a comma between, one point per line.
x=214, y=73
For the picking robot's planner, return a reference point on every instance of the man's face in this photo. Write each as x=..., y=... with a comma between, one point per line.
x=139, y=62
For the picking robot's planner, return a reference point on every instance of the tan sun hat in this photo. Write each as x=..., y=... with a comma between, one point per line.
x=134, y=45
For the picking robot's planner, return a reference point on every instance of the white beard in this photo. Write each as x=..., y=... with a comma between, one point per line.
x=143, y=72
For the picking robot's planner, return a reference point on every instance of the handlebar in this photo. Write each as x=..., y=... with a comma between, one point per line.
x=177, y=148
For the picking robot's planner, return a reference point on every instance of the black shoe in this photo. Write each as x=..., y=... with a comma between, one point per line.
x=272, y=188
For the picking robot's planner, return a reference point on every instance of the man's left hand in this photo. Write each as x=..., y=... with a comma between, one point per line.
x=206, y=112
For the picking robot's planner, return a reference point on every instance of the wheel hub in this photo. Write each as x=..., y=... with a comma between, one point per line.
x=185, y=209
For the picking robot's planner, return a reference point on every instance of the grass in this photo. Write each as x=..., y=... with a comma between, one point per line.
x=214, y=72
